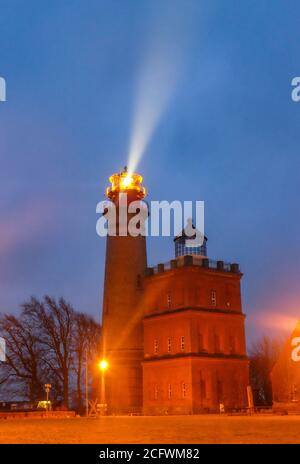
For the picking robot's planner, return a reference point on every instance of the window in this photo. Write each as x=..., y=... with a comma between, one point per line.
x=139, y=282
x=183, y=390
x=294, y=395
x=198, y=296
x=213, y=298
x=155, y=391
x=219, y=391
x=169, y=300
x=182, y=343
x=155, y=346
x=169, y=391
x=202, y=389
x=181, y=248
x=200, y=342
x=231, y=344
x=217, y=344
x=169, y=345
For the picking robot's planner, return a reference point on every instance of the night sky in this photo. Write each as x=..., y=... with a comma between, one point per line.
x=226, y=133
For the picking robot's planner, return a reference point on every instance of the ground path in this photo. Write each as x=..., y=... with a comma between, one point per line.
x=167, y=429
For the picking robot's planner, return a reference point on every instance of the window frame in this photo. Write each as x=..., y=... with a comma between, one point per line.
x=213, y=298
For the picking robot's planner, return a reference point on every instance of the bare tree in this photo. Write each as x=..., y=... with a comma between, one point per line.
x=263, y=355
x=47, y=343
x=23, y=368
x=54, y=322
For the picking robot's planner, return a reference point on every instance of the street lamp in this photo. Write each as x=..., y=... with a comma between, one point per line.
x=103, y=365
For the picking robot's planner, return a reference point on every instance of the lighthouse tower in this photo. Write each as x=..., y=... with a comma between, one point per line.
x=122, y=328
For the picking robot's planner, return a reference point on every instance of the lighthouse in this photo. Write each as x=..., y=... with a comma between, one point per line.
x=173, y=335
x=122, y=328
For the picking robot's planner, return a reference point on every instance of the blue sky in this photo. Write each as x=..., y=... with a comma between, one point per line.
x=229, y=135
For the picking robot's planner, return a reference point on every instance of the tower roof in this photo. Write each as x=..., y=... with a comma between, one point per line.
x=183, y=234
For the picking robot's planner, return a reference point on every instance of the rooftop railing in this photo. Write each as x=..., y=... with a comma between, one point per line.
x=190, y=260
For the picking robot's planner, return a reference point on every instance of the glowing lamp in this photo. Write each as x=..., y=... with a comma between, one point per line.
x=123, y=182
x=103, y=365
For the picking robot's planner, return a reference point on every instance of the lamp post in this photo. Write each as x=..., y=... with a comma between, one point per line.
x=47, y=387
x=86, y=384
x=103, y=365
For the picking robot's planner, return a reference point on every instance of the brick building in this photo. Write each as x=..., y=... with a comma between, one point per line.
x=174, y=334
x=194, y=341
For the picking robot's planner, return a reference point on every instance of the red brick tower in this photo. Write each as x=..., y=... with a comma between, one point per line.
x=122, y=339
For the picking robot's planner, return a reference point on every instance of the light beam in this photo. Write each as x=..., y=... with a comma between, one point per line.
x=159, y=75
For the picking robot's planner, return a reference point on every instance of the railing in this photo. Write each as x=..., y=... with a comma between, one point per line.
x=194, y=260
